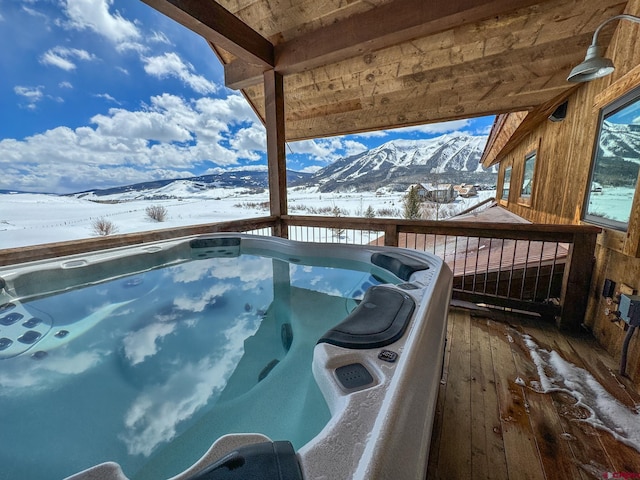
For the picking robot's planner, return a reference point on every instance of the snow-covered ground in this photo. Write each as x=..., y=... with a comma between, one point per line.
x=31, y=219
x=613, y=203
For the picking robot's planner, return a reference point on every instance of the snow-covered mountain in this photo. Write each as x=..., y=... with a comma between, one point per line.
x=450, y=158
x=620, y=141
x=251, y=180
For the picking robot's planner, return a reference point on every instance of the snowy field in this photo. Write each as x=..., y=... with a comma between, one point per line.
x=31, y=219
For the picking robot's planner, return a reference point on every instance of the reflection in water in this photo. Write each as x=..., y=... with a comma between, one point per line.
x=156, y=412
x=145, y=359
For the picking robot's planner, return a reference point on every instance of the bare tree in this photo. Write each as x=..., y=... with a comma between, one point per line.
x=104, y=227
x=157, y=213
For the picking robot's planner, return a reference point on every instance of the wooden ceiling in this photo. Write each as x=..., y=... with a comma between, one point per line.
x=360, y=65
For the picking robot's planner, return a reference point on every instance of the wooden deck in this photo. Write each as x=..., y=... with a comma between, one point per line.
x=491, y=422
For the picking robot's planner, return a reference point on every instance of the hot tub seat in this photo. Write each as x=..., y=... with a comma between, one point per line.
x=402, y=266
x=260, y=461
x=379, y=320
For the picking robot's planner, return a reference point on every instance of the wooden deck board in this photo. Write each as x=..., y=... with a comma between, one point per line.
x=456, y=412
x=488, y=459
x=491, y=424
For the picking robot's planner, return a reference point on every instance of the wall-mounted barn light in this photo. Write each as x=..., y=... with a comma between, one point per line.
x=594, y=64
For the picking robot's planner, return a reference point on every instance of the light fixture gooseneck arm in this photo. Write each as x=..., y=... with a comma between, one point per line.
x=594, y=64
x=608, y=20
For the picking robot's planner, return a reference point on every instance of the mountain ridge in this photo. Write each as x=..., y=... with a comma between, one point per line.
x=450, y=158
x=394, y=165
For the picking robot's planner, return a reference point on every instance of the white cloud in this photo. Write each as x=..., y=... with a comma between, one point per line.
x=137, y=47
x=353, y=148
x=375, y=133
x=106, y=96
x=143, y=343
x=62, y=57
x=248, y=141
x=43, y=375
x=203, y=300
x=159, y=37
x=32, y=94
x=310, y=169
x=95, y=15
x=484, y=131
x=327, y=150
x=32, y=12
x=316, y=148
x=65, y=84
x=154, y=416
x=171, y=65
x=164, y=139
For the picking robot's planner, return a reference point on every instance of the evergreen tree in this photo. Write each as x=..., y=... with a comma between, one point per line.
x=370, y=212
x=412, y=204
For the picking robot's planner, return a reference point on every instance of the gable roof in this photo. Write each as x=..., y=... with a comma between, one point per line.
x=361, y=65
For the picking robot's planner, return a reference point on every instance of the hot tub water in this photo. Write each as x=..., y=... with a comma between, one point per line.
x=148, y=369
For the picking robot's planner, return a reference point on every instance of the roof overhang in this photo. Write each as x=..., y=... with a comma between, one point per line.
x=365, y=65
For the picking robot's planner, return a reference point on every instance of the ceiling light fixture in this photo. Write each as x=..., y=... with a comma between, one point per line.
x=594, y=64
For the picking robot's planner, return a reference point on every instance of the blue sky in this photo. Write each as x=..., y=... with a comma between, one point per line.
x=100, y=93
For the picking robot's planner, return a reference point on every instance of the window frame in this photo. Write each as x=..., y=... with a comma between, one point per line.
x=615, y=106
x=525, y=199
x=507, y=169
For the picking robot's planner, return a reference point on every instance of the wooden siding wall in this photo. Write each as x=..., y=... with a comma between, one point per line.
x=560, y=182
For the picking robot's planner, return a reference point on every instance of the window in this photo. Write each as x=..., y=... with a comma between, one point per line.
x=616, y=162
x=506, y=182
x=527, y=177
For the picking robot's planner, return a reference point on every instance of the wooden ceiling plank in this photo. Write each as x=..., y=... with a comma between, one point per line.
x=404, y=115
x=288, y=19
x=472, y=102
x=389, y=24
x=218, y=26
x=464, y=45
x=516, y=76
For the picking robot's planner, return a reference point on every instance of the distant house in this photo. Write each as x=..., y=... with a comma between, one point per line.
x=465, y=190
x=441, y=193
x=421, y=189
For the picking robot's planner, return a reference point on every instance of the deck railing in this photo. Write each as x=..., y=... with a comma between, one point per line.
x=538, y=268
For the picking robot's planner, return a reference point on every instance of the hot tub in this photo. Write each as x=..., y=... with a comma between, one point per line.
x=220, y=357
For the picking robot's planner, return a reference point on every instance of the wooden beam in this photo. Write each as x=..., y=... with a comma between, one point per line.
x=220, y=27
x=276, y=154
x=389, y=24
x=240, y=74
x=576, y=283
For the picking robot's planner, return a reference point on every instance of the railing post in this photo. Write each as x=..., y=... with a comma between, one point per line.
x=280, y=228
x=576, y=282
x=391, y=235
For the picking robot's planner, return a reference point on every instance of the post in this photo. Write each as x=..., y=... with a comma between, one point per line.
x=576, y=282
x=276, y=154
x=391, y=235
